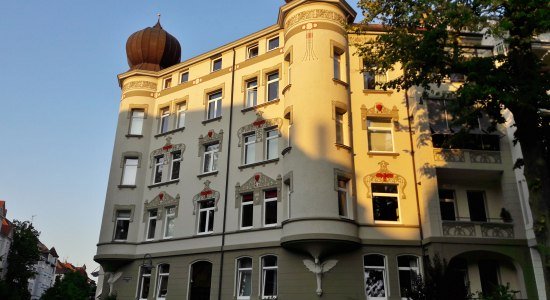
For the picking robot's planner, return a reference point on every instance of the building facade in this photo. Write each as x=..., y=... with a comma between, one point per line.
x=45, y=272
x=6, y=238
x=273, y=168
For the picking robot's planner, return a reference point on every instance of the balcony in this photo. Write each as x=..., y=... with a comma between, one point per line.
x=493, y=228
x=465, y=155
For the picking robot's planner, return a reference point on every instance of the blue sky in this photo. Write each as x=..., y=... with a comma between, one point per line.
x=58, y=108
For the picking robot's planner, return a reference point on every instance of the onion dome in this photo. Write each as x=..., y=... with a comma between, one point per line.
x=152, y=49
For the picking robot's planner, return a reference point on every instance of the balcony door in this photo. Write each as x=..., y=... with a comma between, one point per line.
x=477, y=207
x=201, y=279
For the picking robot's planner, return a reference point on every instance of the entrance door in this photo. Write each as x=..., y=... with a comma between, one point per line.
x=201, y=278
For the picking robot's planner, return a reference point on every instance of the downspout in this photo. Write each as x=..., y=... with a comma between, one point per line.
x=227, y=176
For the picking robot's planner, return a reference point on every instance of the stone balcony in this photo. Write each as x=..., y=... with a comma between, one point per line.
x=467, y=156
x=469, y=229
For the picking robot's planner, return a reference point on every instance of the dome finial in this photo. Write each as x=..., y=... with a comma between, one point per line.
x=158, y=22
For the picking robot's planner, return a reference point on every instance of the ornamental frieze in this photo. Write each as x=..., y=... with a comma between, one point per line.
x=206, y=194
x=258, y=127
x=255, y=185
x=383, y=175
x=209, y=138
x=161, y=201
x=139, y=85
x=316, y=14
x=380, y=111
x=167, y=148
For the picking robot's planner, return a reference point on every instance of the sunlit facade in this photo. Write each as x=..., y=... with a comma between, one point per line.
x=274, y=168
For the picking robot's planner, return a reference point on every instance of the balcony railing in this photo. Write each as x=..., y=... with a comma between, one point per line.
x=463, y=155
x=493, y=228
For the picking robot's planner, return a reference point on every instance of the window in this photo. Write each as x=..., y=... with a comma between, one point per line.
x=269, y=277
x=184, y=77
x=288, y=197
x=167, y=83
x=252, y=51
x=380, y=134
x=162, y=281
x=206, y=216
x=250, y=148
x=216, y=64
x=130, y=171
x=407, y=266
x=210, y=161
x=180, y=114
x=157, y=170
x=164, y=119
x=273, y=86
x=247, y=211
x=151, y=224
x=169, y=220
x=339, y=120
x=447, y=204
x=136, y=123
x=272, y=144
x=273, y=43
x=337, y=56
x=372, y=81
x=343, y=192
x=144, y=283
x=385, y=202
x=476, y=206
x=270, y=208
x=176, y=163
x=122, y=224
x=252, y=92
x=214, y=105
x=244, y=277
x=375, y=276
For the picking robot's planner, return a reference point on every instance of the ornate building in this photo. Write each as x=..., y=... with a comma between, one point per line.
x=273, y=168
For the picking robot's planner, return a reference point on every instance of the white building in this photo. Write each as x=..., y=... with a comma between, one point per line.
x=45, y=269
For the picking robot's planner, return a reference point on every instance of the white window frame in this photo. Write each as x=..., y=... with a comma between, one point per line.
x=396, y=195
x=182, y=75
x=345, y=190
x=249, y=141
x=243, y=205
x=160, y=276
x=252, y=90
x=267, y=200
x=416, y=270
x=269, y=140
x=169, y=218
x=167, y=83
x=213, y=157
x=374, y=129
x=206, y=211
x=262, y=277
x=136, y=121
x=384, y=275
x=271, y=39
x=151, y=219
x=180, y=114
x=130, y=169
x=249, y=51
x=142, y=277
x=240, y=272
x=173, y=163
x=214, y=61
x=164, y=119
x=158, y=166
x=217, y=105
x=270, y=84
x=119, y=218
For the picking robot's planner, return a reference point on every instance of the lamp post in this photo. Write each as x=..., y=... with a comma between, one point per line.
x=147, y=262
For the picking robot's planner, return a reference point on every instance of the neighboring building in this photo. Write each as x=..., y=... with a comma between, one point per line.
x=63, y=268
x=45, y=272
x=6, y=238
x=272, y=168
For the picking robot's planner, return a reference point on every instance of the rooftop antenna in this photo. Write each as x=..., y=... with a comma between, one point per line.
x=32, y=218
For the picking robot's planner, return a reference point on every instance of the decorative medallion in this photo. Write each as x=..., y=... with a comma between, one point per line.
x=206, y=194
x=162, y=200
x=256, y=184
x=210, y=137
x=383, y=175
x=258, y=127
x=167, y=148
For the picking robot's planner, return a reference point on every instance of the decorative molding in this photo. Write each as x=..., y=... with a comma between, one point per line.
x=497, y=230
x=118, y=207
x=465, y=229
x=162, y=200
x=317, y=14
x=167, y=148
x=319, y=268
x=449, y=155
x=383, y=175
x=206, y=194
x=210, y=138
x=256, y=184
x=139, y=85
x=379, y=111
x=258, y=127
x=310, y=52
x=485, y=157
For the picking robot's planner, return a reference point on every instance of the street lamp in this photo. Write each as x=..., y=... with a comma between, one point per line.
x=147, y=262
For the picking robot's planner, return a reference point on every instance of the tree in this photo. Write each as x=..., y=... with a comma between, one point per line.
x=21, y=259
x=425, y=38
x=74, y=286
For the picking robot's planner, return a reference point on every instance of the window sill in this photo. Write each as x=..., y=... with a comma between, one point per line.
x=170, y=132
x=122, y=186
x=338, y=81
x=211, y=120
x=207, y=174
x=260, y=105
x=163, y=183
x=286, y=150
x=260, y=163
x=342, y=146
x=286, y=88
x=371, y=153
x=368, y=91
x=139, y=136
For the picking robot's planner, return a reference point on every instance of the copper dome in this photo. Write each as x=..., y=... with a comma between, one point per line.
x=152, y=49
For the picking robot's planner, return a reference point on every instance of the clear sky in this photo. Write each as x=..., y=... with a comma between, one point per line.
x=58, y=107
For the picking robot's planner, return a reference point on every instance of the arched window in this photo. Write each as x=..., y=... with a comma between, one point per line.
x=244, y=278
x=163, y=273
x=408, y=266
x=269, y=277
x=376, y=286
x=200, y=281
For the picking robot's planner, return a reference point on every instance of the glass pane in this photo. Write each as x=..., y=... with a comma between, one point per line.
x=270, y=194
x=272, y=148
x=245, y=263
x=245, y=286
x=129, y=175
x=175, y=170
x=476, y=206
x=207, y=158
x=270, y=282
x=211, y=109
x=217, y=64
x=407, y=261
x=447, y=211
x=121, y=231
x=271, y=212
x=373, y=260
x=165, y=268
x=123, y=214
x=137, y=122
x=273, y=43
x=145, y=287
x=342, y=203
x=250, y=153
x=152, y=228
x=164, y=124
x=202, y=221
x=252, y=51
x=181, y=119
x=369, y=81
x=169, y=230
x=215, y=161
x=405, y=281
x=437, y=116
x=184, y=77
x=210, y=220
x=269, y=261
x=374, y=282
x=380, y=140
x=248, y=197
x=246, y=218
x=384, y=188
x=385, y=208
x=218, y=107
x=336, y=65
x=163, y=286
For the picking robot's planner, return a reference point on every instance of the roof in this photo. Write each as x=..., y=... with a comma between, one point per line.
x=6, y=228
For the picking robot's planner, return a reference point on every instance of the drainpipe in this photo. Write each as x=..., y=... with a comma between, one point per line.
x=227, y=176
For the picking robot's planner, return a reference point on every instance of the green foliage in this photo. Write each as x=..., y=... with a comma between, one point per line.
x=73, y=286
x=501, y=292
x=21, y=258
